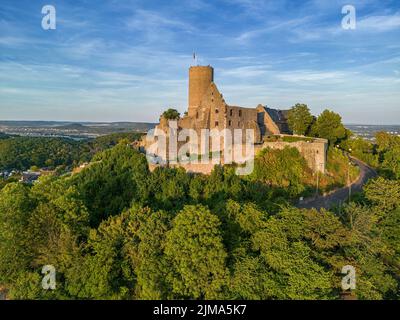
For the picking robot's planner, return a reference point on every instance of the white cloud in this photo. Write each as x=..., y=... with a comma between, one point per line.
x=19, y=41
x=379, y=23
x=82, y=48
x=146, y=20
x=275, y=26
x=244, y=72
x=314, y=76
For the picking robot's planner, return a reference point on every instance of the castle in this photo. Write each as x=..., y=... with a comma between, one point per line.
x=207, y=109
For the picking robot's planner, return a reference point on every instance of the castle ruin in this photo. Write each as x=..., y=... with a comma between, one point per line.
x=207, y=109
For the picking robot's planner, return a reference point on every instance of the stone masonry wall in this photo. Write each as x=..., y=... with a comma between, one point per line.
x=314, y=152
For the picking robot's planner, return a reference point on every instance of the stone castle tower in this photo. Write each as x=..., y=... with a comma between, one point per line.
x=200, y=79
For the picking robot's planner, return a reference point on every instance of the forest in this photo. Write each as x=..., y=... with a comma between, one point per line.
x=116, y=230
x=21, y=153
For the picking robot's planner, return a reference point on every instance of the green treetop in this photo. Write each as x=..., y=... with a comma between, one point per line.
x=329, y=126
x=171, y=114
x=300, y=119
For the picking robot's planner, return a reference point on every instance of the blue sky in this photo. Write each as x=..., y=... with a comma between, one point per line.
x=127, y=60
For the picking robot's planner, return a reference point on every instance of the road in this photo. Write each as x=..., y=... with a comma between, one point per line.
x=340, y=195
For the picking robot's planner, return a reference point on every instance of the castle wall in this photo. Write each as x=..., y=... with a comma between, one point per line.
x=197, y=168
x=313, y=152
x=190, y=168
x=243, y=118
x=214, y=104
x=238, y=117
x=269, y=125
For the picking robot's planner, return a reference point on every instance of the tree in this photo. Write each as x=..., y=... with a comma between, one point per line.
x=292, y=247
x=329, y=126
x=252, y=280
x=116, y=178
x=385, y=141
x=281, y=168
x=391, y=162
x=300, y=119
x=24, y=152
x=104, y=272
x=388, y=147
x=196, y=254
x=371, y=250
x=152, y=267
x=389, y=230
x=171, y=114
x=385, y=194
x=16, y=205
x=168, y=187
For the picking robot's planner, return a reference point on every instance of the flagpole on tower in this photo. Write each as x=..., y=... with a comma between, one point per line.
x=194, y=58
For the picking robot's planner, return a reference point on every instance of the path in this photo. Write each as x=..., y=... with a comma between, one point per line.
x=340, y=195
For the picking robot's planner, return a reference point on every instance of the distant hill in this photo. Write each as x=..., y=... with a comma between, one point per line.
x=368, y=131
x=77, y=126
x=61, y=124
x=71, y=129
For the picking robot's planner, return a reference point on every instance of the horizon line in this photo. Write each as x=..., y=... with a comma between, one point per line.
x=148, y=122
